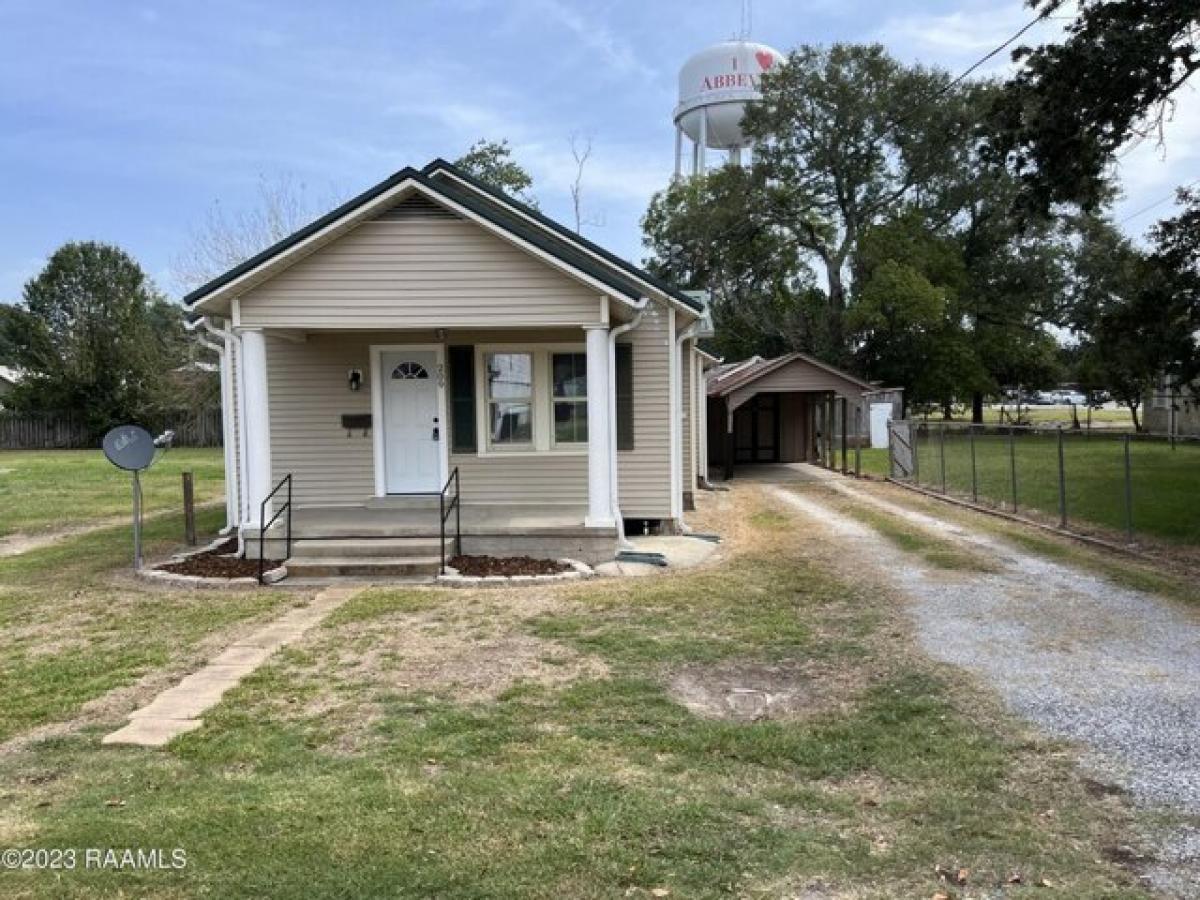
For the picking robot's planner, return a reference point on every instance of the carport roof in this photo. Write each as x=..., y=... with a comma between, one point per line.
x=738, y=375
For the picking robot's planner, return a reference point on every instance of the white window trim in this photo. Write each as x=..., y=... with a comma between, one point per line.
x=543, y=402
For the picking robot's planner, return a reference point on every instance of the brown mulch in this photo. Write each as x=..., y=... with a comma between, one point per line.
x=217, y=563
x=507, y=565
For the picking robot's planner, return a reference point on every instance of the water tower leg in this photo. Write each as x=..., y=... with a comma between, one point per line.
x=678, y=152
x=702, y=143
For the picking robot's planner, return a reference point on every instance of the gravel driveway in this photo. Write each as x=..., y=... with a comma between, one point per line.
x=1114, y=670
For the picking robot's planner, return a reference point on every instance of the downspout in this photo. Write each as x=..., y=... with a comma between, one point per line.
x=702, y=400
x=222, y=351
x=676, y=418
x=613, y=468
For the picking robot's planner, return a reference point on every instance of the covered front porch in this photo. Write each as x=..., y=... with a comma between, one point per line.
x=373, y=433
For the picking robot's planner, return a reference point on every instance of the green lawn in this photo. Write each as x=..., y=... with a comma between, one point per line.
x=43, y=490
x=73, y=630
x=1165, y=482
x=539, y=743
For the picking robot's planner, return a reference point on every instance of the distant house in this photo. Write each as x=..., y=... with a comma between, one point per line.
x=789, y=409
x=434, y=337
x=8, y=380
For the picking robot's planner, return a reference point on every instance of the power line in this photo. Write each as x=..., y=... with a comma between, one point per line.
x=1159, y=202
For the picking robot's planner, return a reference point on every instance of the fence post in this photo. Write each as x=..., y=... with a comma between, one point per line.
x=974, y=474
x=1062, y=482
x=844, y=408
x=1128, y=495
x=189, y=510
x=1012, y=463
x=915, y=434
x=942, y=454
x=858, y=438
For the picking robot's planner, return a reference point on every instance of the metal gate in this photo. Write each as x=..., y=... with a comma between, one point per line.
x=901, y=460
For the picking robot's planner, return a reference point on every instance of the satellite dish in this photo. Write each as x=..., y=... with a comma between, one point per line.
x=129, y=447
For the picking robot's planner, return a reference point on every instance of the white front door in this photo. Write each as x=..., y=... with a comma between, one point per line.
x=412, y=429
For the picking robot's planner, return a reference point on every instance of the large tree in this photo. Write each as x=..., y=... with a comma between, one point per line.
x=710, y=233
x=1074, y=103
x=843, y=134
x=95, y=337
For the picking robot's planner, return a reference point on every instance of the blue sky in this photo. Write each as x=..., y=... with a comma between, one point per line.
x=126, y=121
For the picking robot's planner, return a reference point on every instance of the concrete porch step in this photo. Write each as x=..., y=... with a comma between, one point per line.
x=361, y=548
x=361, y=566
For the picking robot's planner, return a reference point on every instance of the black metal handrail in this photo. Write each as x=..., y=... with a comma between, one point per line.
x=454, y=507
x=263, y=526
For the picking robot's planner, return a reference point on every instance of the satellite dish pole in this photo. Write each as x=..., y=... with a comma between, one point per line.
x=130, y=447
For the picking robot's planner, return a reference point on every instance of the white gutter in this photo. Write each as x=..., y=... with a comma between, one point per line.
x=703, y=401
x=613, y=468
x=222, y=351
x=677, y=424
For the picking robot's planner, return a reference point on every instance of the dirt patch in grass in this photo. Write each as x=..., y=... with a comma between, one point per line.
x=507, y=566
x=742, y=691
x=454, y=664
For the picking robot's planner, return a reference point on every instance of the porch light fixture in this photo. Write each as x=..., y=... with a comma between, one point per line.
x=440, y=334
x=354, y=379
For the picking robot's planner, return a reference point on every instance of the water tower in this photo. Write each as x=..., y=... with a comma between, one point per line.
x=715, y=87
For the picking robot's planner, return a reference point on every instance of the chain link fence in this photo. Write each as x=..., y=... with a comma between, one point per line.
x=1117, y=483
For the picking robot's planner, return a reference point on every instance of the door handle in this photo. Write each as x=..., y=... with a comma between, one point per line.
x=436, y=429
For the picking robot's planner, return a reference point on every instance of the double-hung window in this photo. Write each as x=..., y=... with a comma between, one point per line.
x=509, y=384
x=568, y=397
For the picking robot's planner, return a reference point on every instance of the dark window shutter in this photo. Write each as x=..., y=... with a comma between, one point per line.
x=462, y=399
x=624, y=396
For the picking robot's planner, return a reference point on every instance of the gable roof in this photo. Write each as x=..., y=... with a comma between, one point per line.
x=439, y=166
x=738, y=375
x=492, y=207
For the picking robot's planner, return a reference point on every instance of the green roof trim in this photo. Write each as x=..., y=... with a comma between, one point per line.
x=495, y=207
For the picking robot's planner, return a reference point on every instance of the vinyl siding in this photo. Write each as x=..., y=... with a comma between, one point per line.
x=419, y=272
x=645, y=471
x=308, y=395
x=797, y=375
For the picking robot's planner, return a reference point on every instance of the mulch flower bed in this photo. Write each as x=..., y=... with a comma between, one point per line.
x=217, y=563
x=482, y=566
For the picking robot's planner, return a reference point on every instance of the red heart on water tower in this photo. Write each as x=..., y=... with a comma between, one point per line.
x=765, y=59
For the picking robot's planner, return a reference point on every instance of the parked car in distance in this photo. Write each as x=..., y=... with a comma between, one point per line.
x=1073, y=397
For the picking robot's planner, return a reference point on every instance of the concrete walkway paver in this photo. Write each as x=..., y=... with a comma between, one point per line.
x=177, y=710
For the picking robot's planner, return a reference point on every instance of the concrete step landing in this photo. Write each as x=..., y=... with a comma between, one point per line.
x=305, y=566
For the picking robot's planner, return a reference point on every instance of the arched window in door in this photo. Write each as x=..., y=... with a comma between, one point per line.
x=407, y=370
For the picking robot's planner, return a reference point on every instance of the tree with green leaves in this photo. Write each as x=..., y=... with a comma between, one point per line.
x=94, y=337
x=844, y=136
x=1074, y=103
x=492, y=162
x=709, y=233
x=905, y=315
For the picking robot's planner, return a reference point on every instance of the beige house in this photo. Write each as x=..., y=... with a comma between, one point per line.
x=435, y=339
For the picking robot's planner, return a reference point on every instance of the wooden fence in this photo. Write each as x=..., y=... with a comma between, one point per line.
x=59, y=430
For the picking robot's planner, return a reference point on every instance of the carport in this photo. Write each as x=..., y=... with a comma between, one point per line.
x=793, y=408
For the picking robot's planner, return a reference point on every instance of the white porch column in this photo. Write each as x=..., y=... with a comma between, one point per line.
x=257, y=438
x=600, y=514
